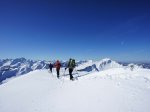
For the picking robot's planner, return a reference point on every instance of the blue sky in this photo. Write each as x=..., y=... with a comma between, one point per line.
x=60, y=29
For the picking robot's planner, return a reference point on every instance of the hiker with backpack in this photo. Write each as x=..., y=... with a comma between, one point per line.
x=51, y=67
x=57, y=65
x=71, y=66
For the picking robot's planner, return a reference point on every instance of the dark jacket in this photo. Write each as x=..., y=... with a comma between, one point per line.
x=50, y=65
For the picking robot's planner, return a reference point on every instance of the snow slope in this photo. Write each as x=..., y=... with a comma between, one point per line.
x=111, y=90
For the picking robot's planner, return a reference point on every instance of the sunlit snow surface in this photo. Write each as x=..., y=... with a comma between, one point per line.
x=111, y=90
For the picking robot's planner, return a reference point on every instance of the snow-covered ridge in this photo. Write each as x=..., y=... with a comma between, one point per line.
x=105, y=64
x=20, y=66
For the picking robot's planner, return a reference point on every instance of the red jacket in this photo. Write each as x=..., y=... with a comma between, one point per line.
x=57, y=65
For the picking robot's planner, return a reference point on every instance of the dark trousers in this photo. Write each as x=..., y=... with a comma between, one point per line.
x=51, y=69
x=57, y=72
x=70, y=73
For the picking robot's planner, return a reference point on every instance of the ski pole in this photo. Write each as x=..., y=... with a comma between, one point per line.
x=65, y=71
x=76, y=71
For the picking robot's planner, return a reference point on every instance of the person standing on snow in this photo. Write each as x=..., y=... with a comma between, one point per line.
x=57, y=65
x=51, y=67
x=71, y=66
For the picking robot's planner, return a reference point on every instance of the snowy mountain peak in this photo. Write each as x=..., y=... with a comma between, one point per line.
x=107, y=64
x=105, y=60
x=134, y=66
x=98, y=65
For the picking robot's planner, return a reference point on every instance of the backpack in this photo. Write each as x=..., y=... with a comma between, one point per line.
x=72, y=63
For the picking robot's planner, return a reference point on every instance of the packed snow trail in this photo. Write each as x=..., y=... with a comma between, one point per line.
x=40, y=91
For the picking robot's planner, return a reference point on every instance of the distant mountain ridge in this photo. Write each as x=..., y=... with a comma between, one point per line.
x=20, y=66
